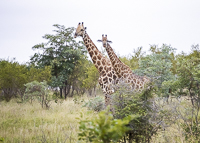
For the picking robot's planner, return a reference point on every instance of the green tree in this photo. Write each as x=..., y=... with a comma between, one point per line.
x=188, y=84
x=103, y=128
x=91, y=80
x=133, y=60
x=13, y=76
x=158, y=66
x=61, y=53
x=38, y=90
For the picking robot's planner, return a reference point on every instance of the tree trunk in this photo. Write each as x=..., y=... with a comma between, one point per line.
x=95, y=91
x=67, y=90
x=72, y=93
x=60, y=92
x=64, y=91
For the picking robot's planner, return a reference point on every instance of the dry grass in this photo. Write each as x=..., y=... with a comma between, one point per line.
x=30, y=123
x=25, y=122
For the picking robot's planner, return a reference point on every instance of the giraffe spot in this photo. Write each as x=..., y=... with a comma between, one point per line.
x=114, y=76
x=98, y=63
x=100, y=68
x=137, y=86
x=96, y=66
x=88, y=40
x=134, y=80
x=94, y=58
x=103, y=62
x=90, y=45
x=91, y=53
x=99, y=57
x=105, y=79
x=103, y=72
x=86, y=43
x=109, y=74
x=110, y=79
x=95, y=52
x=89, y=49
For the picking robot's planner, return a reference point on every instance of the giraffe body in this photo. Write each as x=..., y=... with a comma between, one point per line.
x=107, y=74
x=122, y=70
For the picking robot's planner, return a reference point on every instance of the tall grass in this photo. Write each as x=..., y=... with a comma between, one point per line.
x=21, y=122
x=30, y=123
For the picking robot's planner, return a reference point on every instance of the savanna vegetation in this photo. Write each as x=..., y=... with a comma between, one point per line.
x=56, y=97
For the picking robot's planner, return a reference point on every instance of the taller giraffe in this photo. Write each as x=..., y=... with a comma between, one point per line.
x=123, y=71
x=107, y=74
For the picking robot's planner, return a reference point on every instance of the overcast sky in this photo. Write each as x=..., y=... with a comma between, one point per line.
x=128, y=24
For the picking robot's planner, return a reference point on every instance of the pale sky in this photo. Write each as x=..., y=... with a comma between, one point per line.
x=129, y=23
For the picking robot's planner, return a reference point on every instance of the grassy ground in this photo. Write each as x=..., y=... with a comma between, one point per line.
x=30, y=123
x=25, y=122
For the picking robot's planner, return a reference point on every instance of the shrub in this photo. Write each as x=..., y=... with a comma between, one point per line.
x=128, y=102
x=96, y=104
x=39, y=91
x=103, y=128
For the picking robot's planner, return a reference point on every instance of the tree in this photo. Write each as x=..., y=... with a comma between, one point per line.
x=187, y=84
x=13, y=76
x=133, y=61
x=158, y=66
x=61, y=53
x=90, y=82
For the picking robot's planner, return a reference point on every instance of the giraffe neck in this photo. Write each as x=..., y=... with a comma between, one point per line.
x=96, y=56
x=117, y=64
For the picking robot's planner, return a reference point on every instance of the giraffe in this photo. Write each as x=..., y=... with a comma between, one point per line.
x=107, y=74
x=123, y=71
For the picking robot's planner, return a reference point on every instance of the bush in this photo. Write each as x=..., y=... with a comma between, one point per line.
x=96, y=104
x=103, y=128
x=128, y=102
x=39, y=91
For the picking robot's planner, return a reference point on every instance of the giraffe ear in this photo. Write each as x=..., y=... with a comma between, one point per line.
x=99, y=40
x=109, y=41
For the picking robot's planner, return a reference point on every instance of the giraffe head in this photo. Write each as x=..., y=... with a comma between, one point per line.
x=104, y=41
x=80, y=30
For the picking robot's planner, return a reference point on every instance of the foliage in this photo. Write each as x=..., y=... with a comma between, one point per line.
x=128, y=102
x=61, y=53
x=13, y=76
x=188, y=84
x=96, y=104
x=91, y=79
x=158, y=66
x=133, y=60
x=39, y=91
x=103, y=128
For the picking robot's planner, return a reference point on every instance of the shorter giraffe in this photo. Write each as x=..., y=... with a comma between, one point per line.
x=122, y=70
